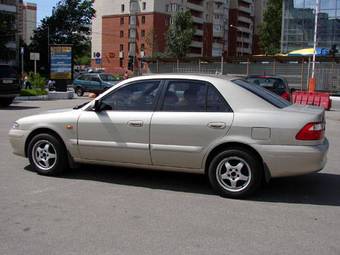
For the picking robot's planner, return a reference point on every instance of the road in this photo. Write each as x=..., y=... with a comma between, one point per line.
x=102, y=210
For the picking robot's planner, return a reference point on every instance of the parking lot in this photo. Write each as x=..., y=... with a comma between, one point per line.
x=103, y=210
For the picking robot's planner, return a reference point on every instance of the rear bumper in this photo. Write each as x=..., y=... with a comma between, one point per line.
x=285, y=160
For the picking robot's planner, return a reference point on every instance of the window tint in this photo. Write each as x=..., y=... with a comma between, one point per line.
x=185, y=96
x=139, y=96
x=265, y=94
x=215, y=101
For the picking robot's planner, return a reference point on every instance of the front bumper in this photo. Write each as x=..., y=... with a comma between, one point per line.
x=286, y=160
x=17, y=139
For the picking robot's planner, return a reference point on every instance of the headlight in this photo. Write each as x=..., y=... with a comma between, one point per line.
x=15, y=125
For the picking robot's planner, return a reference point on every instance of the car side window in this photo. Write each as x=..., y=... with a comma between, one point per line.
x=95, y=78
x=185, y=96
x=215, y=101
x=139, y=96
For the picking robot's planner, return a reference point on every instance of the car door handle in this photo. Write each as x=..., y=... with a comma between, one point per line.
x=217, y=125
x=135, y=123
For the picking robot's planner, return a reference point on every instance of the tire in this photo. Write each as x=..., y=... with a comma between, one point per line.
x=5, y=102
x=235, y=173
x=79, y=91
x=40, y=151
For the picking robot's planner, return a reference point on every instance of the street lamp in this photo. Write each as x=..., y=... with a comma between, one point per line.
x=312, y=82
x=238, y=29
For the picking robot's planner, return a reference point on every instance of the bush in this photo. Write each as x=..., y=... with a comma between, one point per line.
x=38, y=82
x=32, y=92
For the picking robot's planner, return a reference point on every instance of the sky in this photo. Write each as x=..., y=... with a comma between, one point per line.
x=44, y=8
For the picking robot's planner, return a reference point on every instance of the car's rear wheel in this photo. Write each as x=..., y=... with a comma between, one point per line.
x=235, y=173
x=4, y=102
x=47, y=154
x=79, y=91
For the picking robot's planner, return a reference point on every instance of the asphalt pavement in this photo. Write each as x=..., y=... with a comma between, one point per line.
x=103, y=210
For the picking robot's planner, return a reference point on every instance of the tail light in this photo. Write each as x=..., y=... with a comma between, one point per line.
x=286, y=96
x=312, y=131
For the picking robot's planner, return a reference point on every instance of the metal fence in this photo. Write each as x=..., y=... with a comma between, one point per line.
x=327, y=73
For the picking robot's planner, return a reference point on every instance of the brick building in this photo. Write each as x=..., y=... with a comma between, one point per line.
x=241, y=28
x=124, y=31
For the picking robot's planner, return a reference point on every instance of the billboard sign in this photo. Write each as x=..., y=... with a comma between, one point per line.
x=61, y=62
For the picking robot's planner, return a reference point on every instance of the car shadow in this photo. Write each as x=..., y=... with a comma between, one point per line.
x=314, y=189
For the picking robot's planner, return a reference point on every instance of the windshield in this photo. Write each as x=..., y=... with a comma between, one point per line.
x=265, y=94
x=7, y=72
x=107, y=77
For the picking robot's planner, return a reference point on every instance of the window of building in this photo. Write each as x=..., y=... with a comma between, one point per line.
x=122, y=7
x=121, y=34
x=143, y=33
x=143, y=19
x=122, y=20
x=121, y=47
x=121, y=62
x=142, y=47
x=144, y=6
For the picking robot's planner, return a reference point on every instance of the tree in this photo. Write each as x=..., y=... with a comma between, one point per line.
x=270, y=29
x=180, y=34
x=69, y=24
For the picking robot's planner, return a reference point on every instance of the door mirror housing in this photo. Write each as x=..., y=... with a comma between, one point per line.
x=97, y=106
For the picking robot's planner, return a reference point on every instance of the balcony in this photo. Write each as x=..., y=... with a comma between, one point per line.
x=197, y=20
x=195, y=7
x=196, y=44
x=199, y=32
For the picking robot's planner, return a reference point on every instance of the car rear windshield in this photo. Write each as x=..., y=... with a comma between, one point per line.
x=7, y=72
x=263, y=93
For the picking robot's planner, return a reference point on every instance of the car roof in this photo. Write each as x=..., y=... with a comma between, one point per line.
x=265, y=76
x=186, y=76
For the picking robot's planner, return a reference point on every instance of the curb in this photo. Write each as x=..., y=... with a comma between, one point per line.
x=32, y=98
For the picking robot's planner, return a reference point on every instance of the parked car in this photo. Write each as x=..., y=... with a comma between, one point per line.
x=236, y=133
x=9, y=85
x=276, y=84
x=93, y=82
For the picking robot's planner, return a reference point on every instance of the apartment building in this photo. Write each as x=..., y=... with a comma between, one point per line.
x=27, y=20
x=241, y=27
x=8, y=13
x=259, y=8
x=125, y=31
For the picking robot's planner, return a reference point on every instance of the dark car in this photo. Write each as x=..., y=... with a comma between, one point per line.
x=276, y=84
x=93, y=82
x=9, y=85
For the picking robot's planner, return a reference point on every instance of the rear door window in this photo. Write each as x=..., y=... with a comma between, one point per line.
x=7, y=72
x=263, y=93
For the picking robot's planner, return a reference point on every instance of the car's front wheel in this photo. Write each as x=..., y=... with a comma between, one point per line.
x=235, y=173
x=47, y=154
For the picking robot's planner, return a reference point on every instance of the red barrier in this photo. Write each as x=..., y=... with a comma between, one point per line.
x=321, y=99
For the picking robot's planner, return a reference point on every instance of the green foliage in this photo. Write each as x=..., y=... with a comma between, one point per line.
x=270, y=30
x=32, y=92
x=38, y=82
x=180, y=34
x=70, y=23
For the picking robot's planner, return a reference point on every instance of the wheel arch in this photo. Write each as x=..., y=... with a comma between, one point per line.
x=42, y=131
x=236, y=145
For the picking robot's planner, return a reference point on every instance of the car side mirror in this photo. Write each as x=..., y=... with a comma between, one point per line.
x=97, y=106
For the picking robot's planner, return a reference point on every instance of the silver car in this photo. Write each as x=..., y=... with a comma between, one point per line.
x=236, y=133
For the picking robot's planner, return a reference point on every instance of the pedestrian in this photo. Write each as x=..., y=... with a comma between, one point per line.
x=27, y=83
x=126, y=75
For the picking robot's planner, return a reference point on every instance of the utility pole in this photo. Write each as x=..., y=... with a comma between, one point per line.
x=312, y=82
